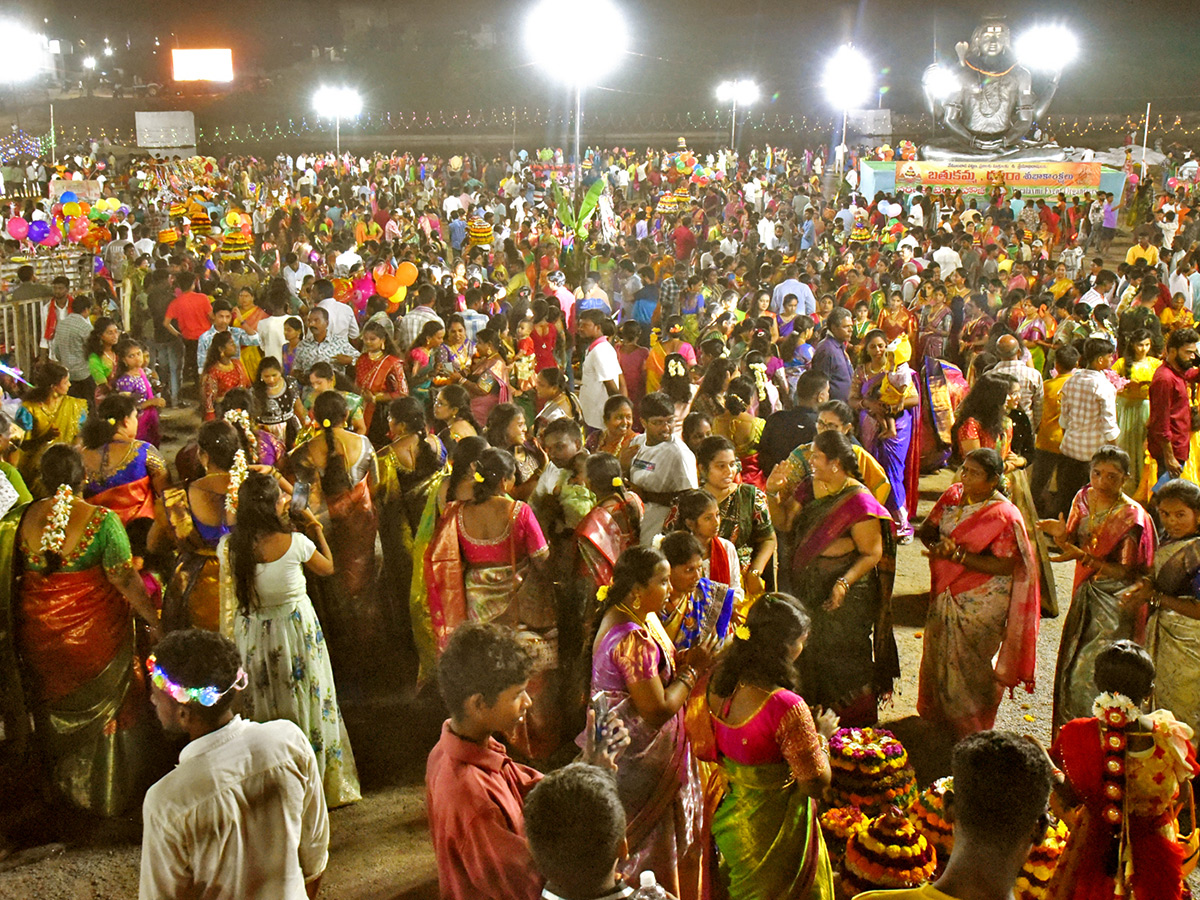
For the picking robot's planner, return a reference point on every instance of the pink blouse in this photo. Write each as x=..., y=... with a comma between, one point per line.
x=523, y=539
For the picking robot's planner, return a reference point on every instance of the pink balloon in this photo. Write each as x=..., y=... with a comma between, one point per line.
x=78, y=230
x=18, y=228
x=1133, y=178
x=52, y=238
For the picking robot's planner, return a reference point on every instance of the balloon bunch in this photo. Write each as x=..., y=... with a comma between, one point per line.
x=71, y=220
x=685, y=167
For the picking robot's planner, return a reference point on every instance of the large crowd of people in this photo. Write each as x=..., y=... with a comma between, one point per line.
x=641, y=491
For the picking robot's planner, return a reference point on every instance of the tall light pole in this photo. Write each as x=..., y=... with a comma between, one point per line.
x=337, y=103
x=739, y=91
x=578, y=43
x=848, y=84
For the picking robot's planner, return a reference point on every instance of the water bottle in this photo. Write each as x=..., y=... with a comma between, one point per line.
x=650, y=889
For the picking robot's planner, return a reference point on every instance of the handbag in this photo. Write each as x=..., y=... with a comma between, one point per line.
x=1190, y=844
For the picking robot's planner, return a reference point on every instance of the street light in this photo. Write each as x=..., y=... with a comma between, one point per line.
x=741, y=91
x=940, y=82
x=337, y=103
x=848, y=84
x=577, y=42
x=89, y=62
x=1047, y=48
x=108, y=51
x=24, y=54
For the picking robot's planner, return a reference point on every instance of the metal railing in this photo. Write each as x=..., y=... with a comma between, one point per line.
x=21, y=332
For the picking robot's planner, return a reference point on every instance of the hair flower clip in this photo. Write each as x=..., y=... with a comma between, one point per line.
x=742, y=632
x=479, y=478
x=111, y=421
x=618, y=481
x=602, y=593
x=325, y=423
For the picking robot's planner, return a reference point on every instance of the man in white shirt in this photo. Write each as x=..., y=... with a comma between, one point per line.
x=343, y=323
x=601, y=376
x=294, y=273
x=243, y=815
x=662, y=465
x=946, y=257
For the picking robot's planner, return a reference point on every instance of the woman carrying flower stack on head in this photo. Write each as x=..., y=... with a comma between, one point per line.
x=1125, y=771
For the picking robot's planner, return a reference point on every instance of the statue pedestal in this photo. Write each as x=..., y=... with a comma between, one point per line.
x=1024, y=152
x=981, y=178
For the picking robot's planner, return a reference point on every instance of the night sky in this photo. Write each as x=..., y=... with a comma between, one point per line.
x=423, y=55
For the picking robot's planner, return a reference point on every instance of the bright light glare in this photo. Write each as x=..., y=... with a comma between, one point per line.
x=202, y=65
x=576, y=41
x=941, y=82
x=848, y=81
x=108, y=51
x=89, y=62
x=23, y=54
x=1047, y=48
x=742, y=91
x=337, y=102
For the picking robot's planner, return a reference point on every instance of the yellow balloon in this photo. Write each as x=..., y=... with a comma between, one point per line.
x=72, y=209
x=233, y=220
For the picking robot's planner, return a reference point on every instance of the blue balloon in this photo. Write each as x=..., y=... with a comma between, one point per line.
x=38, y=231
x=68, y=197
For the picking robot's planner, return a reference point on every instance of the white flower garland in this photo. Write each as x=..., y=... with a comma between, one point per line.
x=60, y=514
x=241, y=418
x=1114, y=710
x=236, y=476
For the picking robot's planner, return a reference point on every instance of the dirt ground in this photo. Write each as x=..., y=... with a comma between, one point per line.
x=380, y=847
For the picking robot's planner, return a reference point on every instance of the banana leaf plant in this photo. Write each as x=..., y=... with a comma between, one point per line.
x=577, y=224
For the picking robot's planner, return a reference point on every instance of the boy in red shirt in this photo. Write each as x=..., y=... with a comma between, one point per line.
x=188, y=316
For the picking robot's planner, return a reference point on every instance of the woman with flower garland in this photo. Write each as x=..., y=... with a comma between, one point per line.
x=122, y=473
x=1111, y=538
x=280, y=640
x=774, y=757
x=1124, y=771
x=1173, y=629
x=656, y=362
x=74, y=607
x=984, y=604
x=677, y=384
x=743, y=428
x=191, y=521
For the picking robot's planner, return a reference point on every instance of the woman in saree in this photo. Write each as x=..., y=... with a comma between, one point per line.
x=506, y=431
x=887, y=401
x=456, y=352
x=984, y=600
x=742, y=428
x=696, y=513
x=1036, y=328
x=697, y=606
x=744, y=519
x=895, y=320
x=452, y=414
x=223, y=372
x=555, y=400
x=379, y=377
x=246, y=316
x=102, y=355
x=277, y=405
x=935, y=324
x=131, y=378
x=422, y=358
x=774, y=758
x=122, y=473
x=455, y=482
x=280, y=640
x=73, y=610
x=408, y=467
x=983, y=421
x=976, y=330
x=638, y=673
x=191, y=520
x=487, y=378
x=1111, y=539
x=56, y=419
x=842, y=570
x=613, y=525
x=261, y=446
x=1133, y=400
x=617, y=432
x=321, y=378
x=481, y=553
x=1173, y=629
x=1129, y=848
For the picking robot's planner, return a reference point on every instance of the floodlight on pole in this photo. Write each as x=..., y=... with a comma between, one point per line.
x=848, y=85
x=941, y=83
x=738, y=91
x=24, y=53
x=578, y=43
x=337, y=103
x=89, y=62
x=1047, y=48
x=108, y=51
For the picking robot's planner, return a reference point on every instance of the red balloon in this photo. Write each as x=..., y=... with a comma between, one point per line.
x=406, y=272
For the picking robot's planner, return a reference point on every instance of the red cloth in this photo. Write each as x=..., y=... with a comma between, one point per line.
x=475, y=799
x=685, y=241
x=193, y=312
x=1170, y=422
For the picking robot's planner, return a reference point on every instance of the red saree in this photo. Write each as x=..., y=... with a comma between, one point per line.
x=382, y=376
x=133, y=500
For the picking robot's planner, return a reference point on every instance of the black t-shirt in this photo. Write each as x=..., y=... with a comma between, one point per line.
x=157, y=301
x=784, y=432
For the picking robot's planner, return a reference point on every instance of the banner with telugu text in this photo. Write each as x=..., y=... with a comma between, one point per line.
x=981, y=179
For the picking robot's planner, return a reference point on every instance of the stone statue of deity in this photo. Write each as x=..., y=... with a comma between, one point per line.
x=991, y=104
